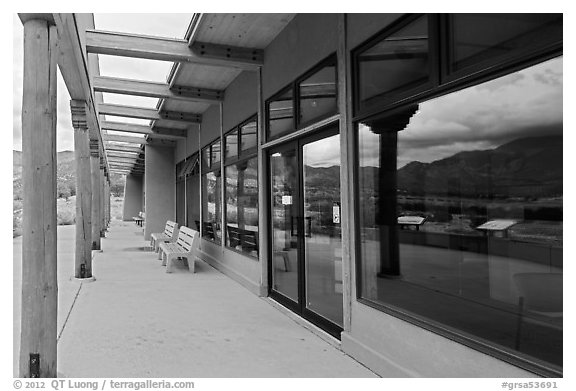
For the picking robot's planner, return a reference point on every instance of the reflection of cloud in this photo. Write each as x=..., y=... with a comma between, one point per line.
x=323, y=153
x=524, y=104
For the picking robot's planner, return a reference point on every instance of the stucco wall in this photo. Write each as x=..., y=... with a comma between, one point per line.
x=241, y=100
x=307, y=40
x=160, y=188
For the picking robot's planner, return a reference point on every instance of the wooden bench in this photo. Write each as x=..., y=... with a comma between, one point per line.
x=161, y=237
x=140, y=219
x=246, y=239
x=184, y=248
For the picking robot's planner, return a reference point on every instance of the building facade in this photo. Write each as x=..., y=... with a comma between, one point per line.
x=393, y=180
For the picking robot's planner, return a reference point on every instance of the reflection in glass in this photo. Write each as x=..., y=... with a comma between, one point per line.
x=242, y=206
x=249, y=134
x=284, y=213
x=395, y=64
x=318, y=95
x=193, y=201
x=215, y=154
x=280, y=115
x=480, y=37
x=211, y=204
x=322, y=231
x=231, y=144
x=460, y=202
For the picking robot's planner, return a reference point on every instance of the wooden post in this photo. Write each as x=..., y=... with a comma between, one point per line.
x=83, y=254
x=101, y=189
x=95, y=181
x=38, y=333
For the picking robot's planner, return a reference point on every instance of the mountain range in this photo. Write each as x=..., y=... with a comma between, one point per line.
x=525, y=167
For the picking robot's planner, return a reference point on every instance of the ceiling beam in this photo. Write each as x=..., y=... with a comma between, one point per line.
x=146, y=113
x=169, y=49
x=156, y=90
x=122, y=154
x=124, y=139
x=123, y=148
x=167, y=133
x=73, y=66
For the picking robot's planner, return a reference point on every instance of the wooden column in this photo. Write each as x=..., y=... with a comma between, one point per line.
x=83, y=253
x=38, y=331
x=95, y=181
x=101, y=188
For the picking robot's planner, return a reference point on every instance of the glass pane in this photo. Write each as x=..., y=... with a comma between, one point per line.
x=211, y=206
x=322, y=232
x=461, y=211
x=206, y=158
x=232, y=144
x=479, y=37
x=280, y=115
x=318, y=95
x=249, y=137
x=242, y=206
x=180, y=203
x=284, y=189
x=193, y=202
x=396, y=64
x=215, y=154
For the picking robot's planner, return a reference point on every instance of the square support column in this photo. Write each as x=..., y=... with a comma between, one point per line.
x=83, y=253
x=133, y=188
x=160, y=188
x=38, y=332
x=96, y=193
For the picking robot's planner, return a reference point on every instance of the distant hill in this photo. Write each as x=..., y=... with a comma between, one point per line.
x=65, y=174
x=527, y=167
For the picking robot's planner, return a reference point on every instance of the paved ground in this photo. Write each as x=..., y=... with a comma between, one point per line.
x=137, y=321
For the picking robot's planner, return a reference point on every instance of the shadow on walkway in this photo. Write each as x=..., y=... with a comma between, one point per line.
x=136, y=320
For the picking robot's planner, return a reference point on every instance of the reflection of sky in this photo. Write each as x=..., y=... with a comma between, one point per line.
x=323, y=153
x=523, y=104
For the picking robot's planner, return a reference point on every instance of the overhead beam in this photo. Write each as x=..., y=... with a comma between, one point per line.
x=156, y=90
x=146, y=113
x=173, y=50
x=144, y=129
x=123, y=148
x=123, y=154
x=124, y=139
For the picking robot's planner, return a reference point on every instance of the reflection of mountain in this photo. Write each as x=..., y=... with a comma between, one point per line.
x=524, y=167
x=325, y=178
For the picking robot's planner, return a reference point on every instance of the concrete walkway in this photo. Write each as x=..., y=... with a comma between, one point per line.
x=136, y=320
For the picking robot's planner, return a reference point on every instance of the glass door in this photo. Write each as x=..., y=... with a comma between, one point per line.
x=284, y=189
x=306, y=247
x=322, y=233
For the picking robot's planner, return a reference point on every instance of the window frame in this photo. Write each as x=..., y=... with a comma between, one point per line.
x=433, y=66
x=241, y=157
x=294, y=85
x=503, y=66
x=487, y=65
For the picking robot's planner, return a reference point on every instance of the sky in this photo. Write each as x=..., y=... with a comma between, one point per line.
x=164, y=25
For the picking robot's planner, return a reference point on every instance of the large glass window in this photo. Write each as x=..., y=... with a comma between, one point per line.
x=211, y=206
x=211, y=193
x=477, y=38
x=392, y=67
x=241, y=191
x=317, y=94
x=280, y=112
x=460, y=202
x=242, y=206
x=193, y=192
